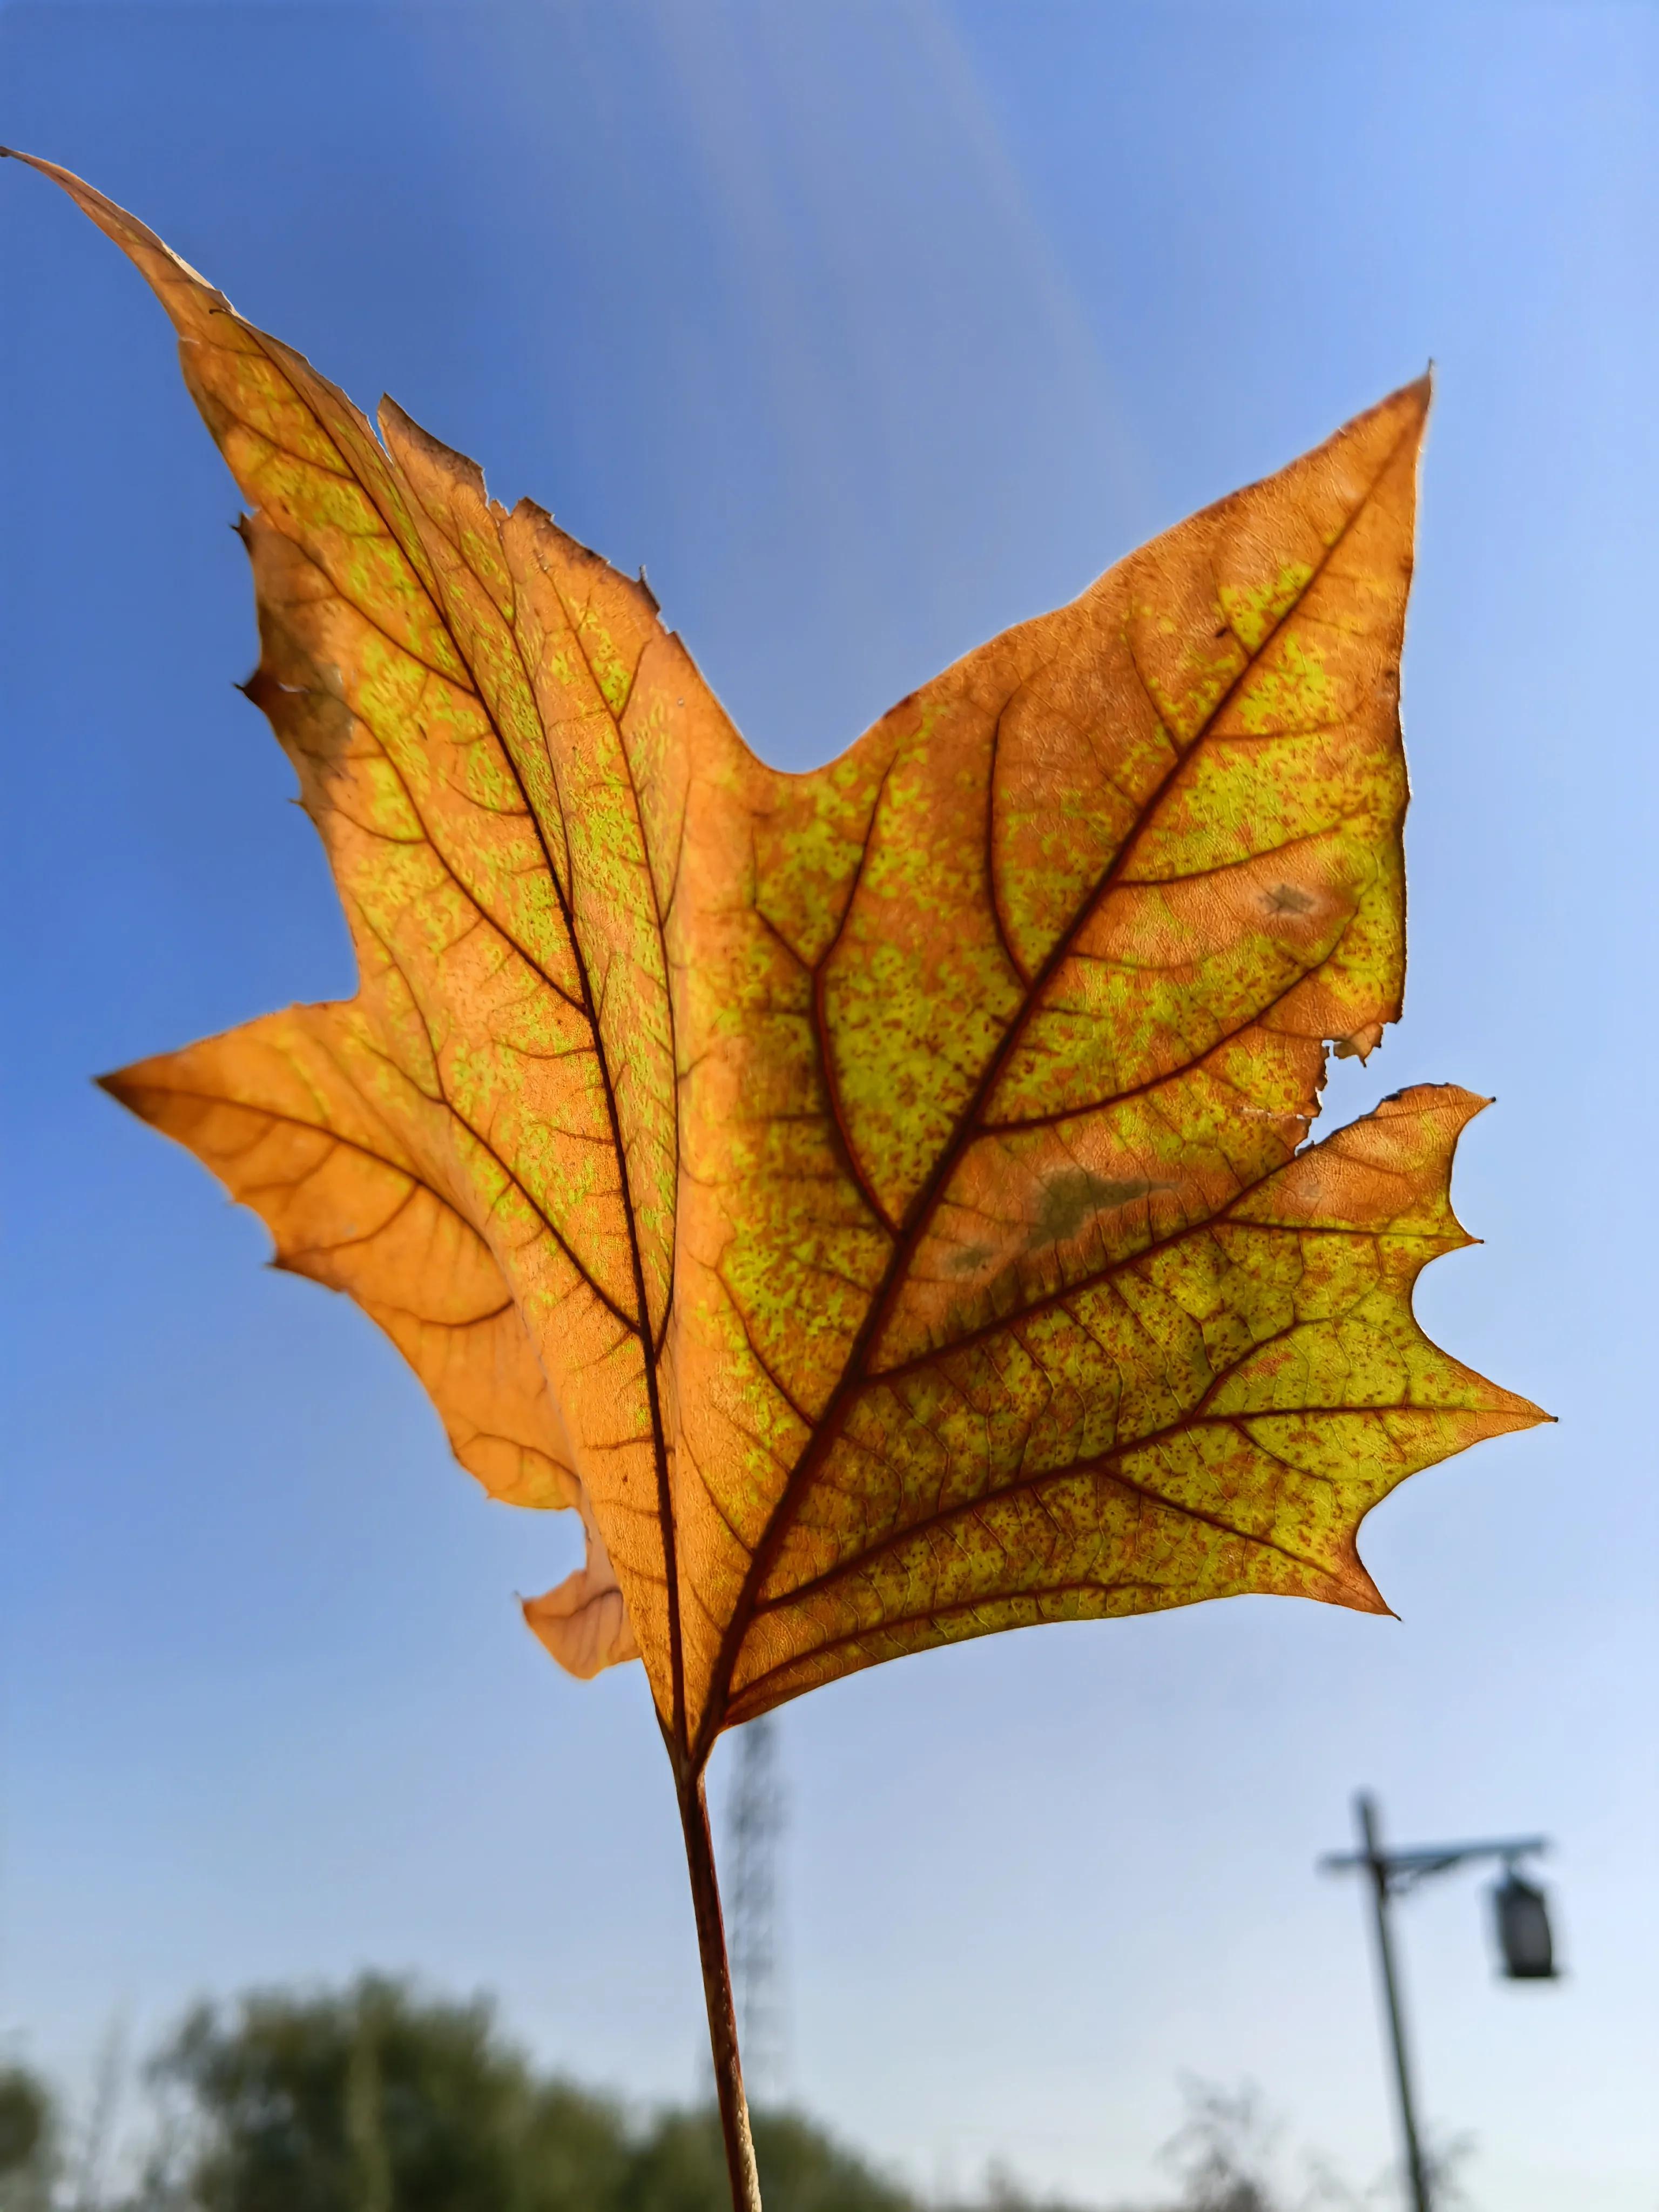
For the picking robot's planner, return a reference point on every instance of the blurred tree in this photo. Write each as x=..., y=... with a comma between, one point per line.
x=1223, y=2150
x=576, y=2153
x=27, y=2141
x=373, y=2100
x=805, y=2171
x=367, y=2100
x=680, y=2166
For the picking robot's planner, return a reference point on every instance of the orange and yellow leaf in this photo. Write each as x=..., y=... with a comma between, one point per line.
x=877, y=1199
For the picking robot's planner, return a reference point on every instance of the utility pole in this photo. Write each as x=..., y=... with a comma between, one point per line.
x=1377, y=1866
x=1523, y=1929
x=754, y=1829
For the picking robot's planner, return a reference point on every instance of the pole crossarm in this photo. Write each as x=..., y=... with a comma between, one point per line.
x=1403, y=1870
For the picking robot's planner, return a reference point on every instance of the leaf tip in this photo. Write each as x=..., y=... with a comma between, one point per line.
x=1351, y=1586
x=411, y=446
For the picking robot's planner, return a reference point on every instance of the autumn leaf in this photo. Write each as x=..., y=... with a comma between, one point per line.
x=878, y=1200
x=871, y=1197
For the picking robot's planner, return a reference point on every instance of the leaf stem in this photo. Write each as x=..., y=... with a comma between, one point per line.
x=717, y=1990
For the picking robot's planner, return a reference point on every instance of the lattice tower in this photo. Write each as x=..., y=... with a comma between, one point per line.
x=754, y=1821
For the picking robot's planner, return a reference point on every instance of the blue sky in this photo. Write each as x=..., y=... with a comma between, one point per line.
x=869, y=328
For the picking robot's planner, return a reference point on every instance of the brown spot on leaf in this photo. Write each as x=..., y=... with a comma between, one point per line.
x=971, y=1256
x=1285, y=898
x=1072, y=1198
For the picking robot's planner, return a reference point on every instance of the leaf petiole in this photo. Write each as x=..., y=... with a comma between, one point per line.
x=717, y=1991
